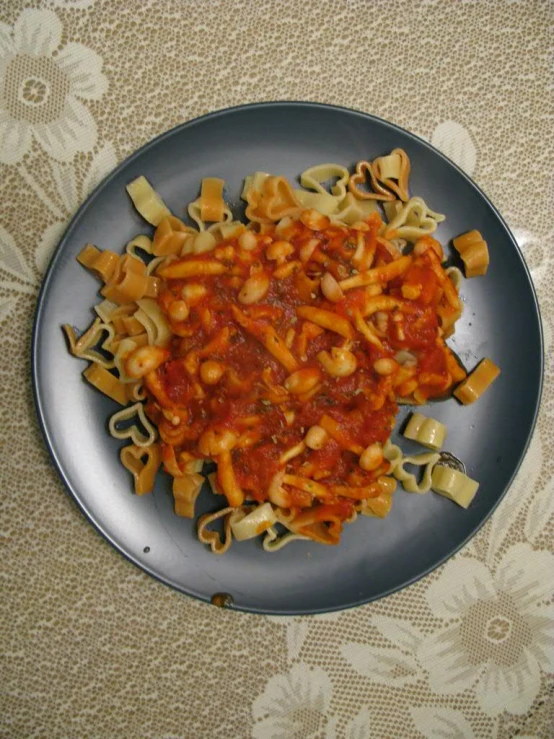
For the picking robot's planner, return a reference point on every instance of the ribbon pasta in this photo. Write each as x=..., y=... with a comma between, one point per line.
x=280, y=349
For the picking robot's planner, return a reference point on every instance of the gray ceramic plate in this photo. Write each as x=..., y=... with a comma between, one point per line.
x=375, y=557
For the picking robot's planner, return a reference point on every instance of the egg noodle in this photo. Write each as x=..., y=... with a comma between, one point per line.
x=280, y=349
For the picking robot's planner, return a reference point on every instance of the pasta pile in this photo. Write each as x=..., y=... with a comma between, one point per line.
x=280, y=349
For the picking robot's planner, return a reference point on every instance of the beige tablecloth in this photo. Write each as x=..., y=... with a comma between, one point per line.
x=92, y=646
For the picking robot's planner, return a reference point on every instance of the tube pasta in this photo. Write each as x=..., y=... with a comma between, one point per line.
x=227, y=338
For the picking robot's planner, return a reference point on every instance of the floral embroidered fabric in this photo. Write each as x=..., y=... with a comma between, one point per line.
x=93, y=647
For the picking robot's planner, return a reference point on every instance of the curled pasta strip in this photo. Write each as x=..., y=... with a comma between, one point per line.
x=153, y=319
x=313, y=178
x=128, y=283
x=106, y=382
x=105, y=310
x=414, y=220
x=218, y=544
x=316, y=195
x=147, y=201
x=141, y=242
x=364, y=170
x=144, y=472
x=194, y=210
x=101, y=263
x=273, y=200
x=133, y=431
x=393, y=454
x=273, y=542
x=185, y=492
x=82, y=347
x=351, y=210
x=170, y=236
x=226, y=230
x=393, y=172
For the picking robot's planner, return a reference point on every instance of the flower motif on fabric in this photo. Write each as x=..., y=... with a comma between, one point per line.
x=42, y=84
x=498, y=635
x=295, y=705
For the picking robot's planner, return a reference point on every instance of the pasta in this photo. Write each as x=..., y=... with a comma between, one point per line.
x=280, y=349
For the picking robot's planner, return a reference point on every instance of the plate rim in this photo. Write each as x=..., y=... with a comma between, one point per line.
x=39, y=312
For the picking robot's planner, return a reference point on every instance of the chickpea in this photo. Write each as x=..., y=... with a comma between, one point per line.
x=340, y=363
x=316, y=437
x=145, y=359
x=211, y=372
x=215, y=441
x=385, y=366
x=306, y=251
x=193, y=293
x=371, y=457
x=248, y=241
x=178, y=311
x=254, y=289
x=279, y=251
x=314, y=220
x=302, y=381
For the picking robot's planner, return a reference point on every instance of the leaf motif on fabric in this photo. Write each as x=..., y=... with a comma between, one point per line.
x=48, y=241
x=400, y=632
x=6, y=307
x=387, y=666
x=541, y=512
x=66, y=185
x=455, y=141
x=441, y=723
x=297, y=631
x=103, y=162
x=523, y=487
x=12, y=260
x=359, y=727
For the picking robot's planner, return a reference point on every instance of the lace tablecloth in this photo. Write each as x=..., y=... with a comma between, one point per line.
x=92, y=646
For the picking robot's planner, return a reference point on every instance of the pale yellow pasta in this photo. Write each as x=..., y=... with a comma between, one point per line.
x=141, y=242
x=249, y=524
x=273, y=542
x=454, y=485
x=351, y=210
x=138, y=437
x=147, y=201
x=414, y=220
x=153, y=319
x=426, y=431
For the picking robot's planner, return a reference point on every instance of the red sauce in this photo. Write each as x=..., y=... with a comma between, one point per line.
x=250, y=398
